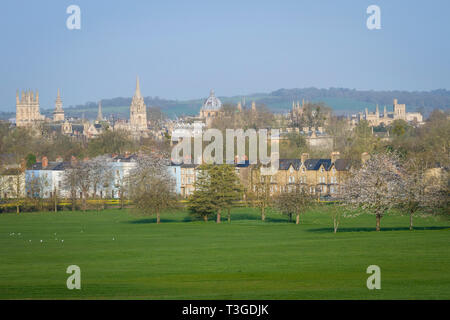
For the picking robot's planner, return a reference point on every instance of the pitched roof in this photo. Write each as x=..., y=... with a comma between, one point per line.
x=284, y=164
x=57, y=166
x=314, y=164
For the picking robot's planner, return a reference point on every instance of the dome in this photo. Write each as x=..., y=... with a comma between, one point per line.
x=212, y=103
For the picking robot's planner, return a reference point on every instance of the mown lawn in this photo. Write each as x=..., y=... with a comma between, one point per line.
x=123, y=256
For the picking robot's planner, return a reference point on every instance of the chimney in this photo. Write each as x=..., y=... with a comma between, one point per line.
x=73, y=160
x=364, y=157
x=334, y=156
x=59, y=159
x=44, y=162
x=304, y=157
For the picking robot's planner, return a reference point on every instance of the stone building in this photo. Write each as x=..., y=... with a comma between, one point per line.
x=138, y=110
x=399, y=113
x=211, y=109
x=27, y=109
x=58, y=113
x=137, y=125
x=318, y=176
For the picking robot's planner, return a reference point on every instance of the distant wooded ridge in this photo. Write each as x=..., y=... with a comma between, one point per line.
x=343, y=101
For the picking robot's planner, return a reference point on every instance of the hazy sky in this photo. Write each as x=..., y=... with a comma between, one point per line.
x=182, y=49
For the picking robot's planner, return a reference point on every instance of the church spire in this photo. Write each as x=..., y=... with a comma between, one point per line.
x=100, y=114
x=138, y=89
x=58, y=113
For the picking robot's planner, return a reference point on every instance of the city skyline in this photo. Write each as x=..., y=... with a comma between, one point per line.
x=181, y=51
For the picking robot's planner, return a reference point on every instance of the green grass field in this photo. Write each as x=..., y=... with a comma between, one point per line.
x=247, y=259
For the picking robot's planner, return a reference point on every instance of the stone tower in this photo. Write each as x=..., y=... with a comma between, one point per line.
x=27, y=109
x=99, y=113
x=58, y=113
x=138, y=110
x=399, y=110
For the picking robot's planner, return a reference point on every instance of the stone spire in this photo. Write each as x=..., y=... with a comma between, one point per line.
x=138, y=89
x=58, y=102
x=99, y=113
x=138, y=110
x=58, y=113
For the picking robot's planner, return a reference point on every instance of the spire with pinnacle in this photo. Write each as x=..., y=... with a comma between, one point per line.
x=138, y=89
x=99, y=113
x=58, y=113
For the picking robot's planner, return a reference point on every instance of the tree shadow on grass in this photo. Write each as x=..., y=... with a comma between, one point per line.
x=372, y=229
x=151, y=220
x=255, y=217
x=189, y=218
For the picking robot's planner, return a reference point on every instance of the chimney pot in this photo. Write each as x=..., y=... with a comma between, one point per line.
x=44, y=162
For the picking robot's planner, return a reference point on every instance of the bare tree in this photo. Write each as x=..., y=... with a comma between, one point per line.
x=262, y=194
x=152, y=187
x=420, y=192
x=100, y=174
x=78, y=179
x=375, y=187
x=70, y=183
x=37, y=186
x=294, y=201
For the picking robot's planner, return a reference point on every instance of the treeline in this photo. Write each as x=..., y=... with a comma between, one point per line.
x=17, y=143
x=422, y=100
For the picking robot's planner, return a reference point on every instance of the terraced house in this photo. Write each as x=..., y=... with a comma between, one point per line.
x=318, y=176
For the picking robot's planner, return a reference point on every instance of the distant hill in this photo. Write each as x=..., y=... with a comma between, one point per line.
x=343, y=101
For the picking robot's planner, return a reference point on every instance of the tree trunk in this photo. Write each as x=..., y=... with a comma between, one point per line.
x=411, y=221
x=218, y=216
x=158, y=217
x=205, y=218
x=83, y=201
x=335, y=224
x=378, y=221
x=297, y=219
x=18, y=208
x=263, y=214
x=229, y=215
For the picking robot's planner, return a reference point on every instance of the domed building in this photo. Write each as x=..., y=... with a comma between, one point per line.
x=211, y=108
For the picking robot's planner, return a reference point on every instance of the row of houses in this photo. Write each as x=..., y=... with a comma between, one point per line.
x=317, y=175
x=45, y=178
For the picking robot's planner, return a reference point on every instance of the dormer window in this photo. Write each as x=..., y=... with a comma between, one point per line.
x=321, y=169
